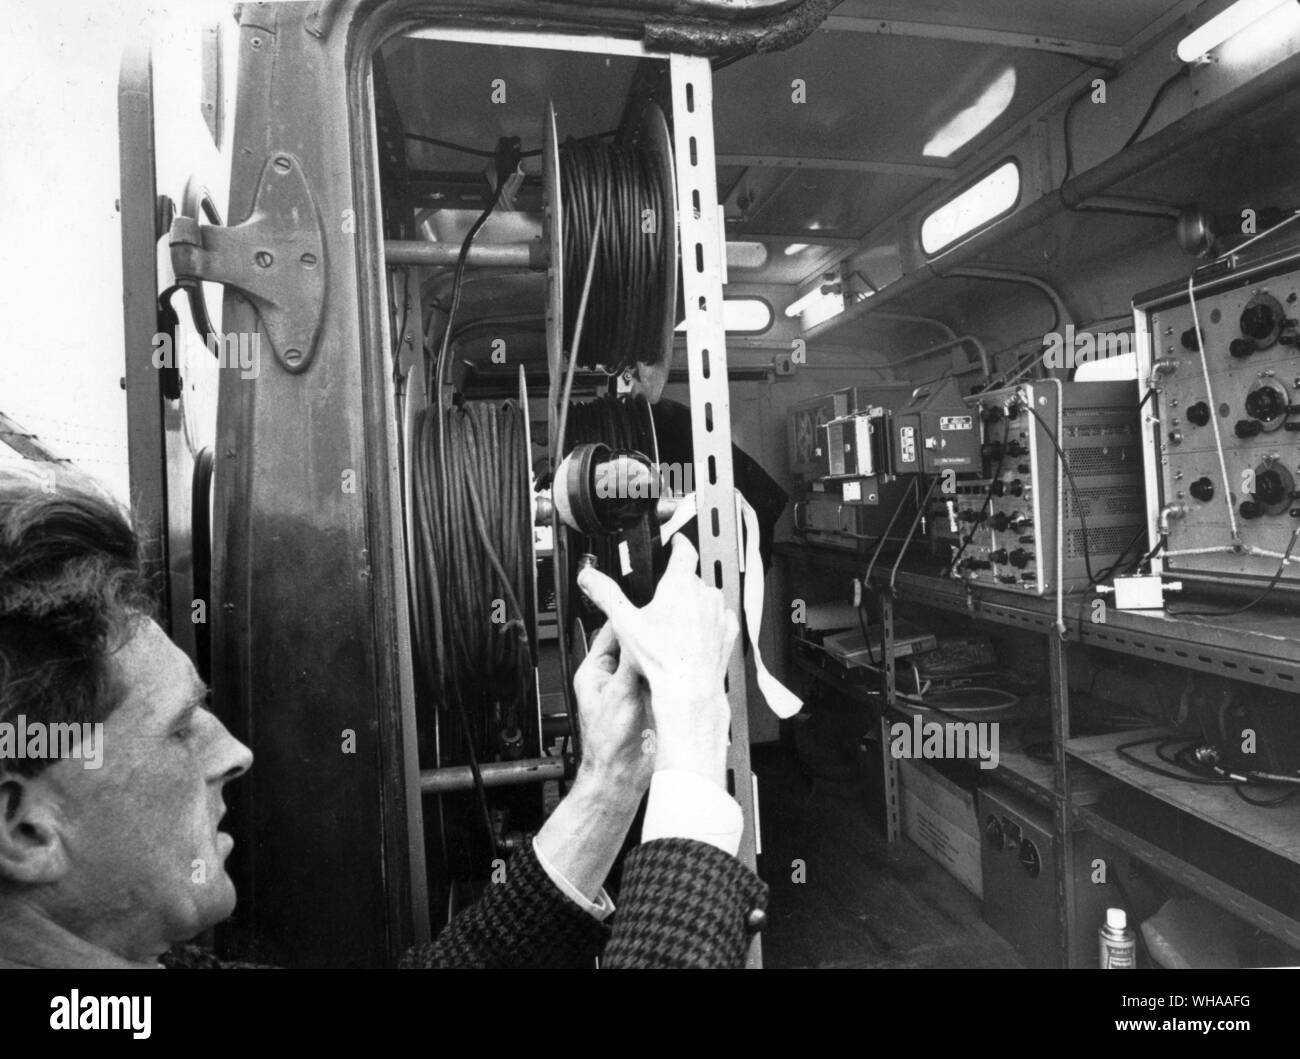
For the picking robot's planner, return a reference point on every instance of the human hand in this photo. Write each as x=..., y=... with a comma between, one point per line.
x=680, y=643
x=617, y=735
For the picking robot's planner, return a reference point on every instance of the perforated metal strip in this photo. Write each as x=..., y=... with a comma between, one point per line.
x=702, y=278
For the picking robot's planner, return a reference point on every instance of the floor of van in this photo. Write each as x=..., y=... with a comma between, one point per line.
x=862, y=901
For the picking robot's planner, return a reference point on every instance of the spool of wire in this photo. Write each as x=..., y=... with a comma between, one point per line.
x=473, y=575
x=633, y=291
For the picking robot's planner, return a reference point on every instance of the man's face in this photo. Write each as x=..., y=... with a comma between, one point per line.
x=146, y=861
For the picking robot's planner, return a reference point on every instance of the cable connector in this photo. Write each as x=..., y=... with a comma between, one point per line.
x=1140, y=591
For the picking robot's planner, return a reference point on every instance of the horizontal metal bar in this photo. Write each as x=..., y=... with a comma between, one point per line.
x=524, y=38
x=530, y=255
x=1228, y=897
x=1083, y=49
x=853, y=165
x=495, y=774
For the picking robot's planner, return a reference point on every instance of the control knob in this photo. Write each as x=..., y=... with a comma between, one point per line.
x=1265, y=403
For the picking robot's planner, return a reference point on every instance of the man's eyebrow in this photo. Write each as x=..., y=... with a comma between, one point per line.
x=198, y=700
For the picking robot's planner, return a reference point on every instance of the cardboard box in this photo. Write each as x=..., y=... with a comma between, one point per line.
x=939, y=816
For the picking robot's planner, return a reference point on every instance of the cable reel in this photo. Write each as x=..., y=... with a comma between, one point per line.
x=606, y=493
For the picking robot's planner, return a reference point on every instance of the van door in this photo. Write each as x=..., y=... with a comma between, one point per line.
x=307, y=601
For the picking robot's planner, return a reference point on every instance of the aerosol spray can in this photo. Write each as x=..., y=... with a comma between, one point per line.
x=1118, y=942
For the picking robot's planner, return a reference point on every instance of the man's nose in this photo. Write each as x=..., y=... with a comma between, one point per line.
x=233, y=758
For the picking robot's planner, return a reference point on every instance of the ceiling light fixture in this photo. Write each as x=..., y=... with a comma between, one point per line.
x=1196, y=46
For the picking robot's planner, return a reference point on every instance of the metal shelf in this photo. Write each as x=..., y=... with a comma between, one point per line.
x=1258, y=647
x=1227, y=897
x=1275, y=830
x=1023, y=774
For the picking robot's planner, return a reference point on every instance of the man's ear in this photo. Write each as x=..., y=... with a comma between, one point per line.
x=31, y=841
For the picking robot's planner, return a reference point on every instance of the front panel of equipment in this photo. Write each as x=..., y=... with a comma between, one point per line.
x=935, y=432
x=1226, y=454
x=1007, y=525
x=839, y=457
x=1014, y=535
x=807, y=433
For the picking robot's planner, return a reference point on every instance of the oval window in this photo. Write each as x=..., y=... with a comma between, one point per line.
x=992, y=196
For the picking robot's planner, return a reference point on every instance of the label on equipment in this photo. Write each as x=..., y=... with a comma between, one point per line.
x=907, y=436
x=852, y=490
x=956, y=422
x=624, y=558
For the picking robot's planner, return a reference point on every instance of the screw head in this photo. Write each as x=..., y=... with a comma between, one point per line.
x=263, y=259
x=308, y=260
x=293, y=356
x=282, y=164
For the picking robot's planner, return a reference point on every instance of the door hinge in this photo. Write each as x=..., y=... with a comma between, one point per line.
x=275, y=259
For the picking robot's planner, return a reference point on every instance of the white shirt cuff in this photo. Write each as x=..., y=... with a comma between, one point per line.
x=600, y=909
x=684, y=805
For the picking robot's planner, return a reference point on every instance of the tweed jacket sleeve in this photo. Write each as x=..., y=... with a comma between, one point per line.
x=524, y=921
x=685, y=904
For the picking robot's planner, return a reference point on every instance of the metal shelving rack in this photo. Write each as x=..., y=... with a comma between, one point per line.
x=1253, y=648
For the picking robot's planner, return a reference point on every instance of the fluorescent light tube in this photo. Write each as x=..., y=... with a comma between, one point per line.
x=1226, y=24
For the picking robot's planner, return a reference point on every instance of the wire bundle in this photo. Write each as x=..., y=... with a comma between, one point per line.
x=472, y=519
x=627, y=318
x=619, y=422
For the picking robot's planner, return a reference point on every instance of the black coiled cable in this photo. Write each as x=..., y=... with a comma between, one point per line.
x=473, y=576
x=626, y=320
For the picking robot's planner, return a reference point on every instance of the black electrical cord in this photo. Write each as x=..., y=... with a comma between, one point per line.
x=477, y=152
x=472, y=569
x=442, y=510
x=1155, y=550
x=1119, y=559
x=430, y=484
x=1183, y=71
x=1123, y=751
x=1191, y=612
x=1193, y=771
x=627, y=319
x=1265, y=803
x=1069, y=140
